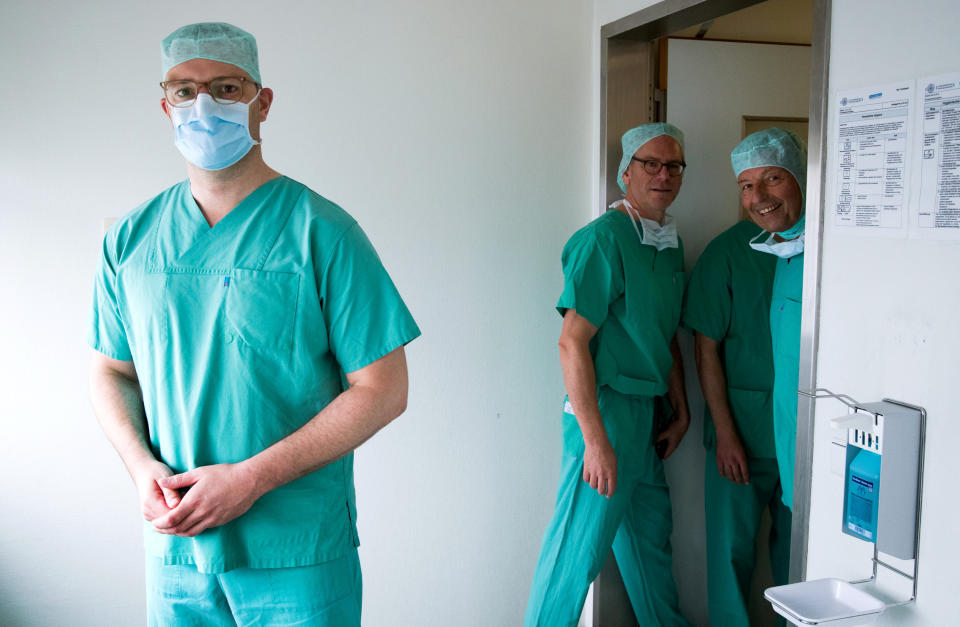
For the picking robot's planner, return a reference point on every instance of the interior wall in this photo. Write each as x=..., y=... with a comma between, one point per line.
x=458, y=134
x=711, y=86
x=783, y=21
x=888, y=314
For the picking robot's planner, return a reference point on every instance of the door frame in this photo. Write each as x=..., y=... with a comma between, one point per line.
x=670, y=16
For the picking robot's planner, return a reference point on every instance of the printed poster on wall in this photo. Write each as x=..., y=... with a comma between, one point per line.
x=937, y=214
x=873, y=147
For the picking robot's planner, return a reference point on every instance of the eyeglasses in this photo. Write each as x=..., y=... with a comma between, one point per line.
x=653, y=167
x=223, y=89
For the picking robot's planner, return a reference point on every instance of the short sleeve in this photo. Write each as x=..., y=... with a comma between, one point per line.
x=105, y=331
x=365, y=316
x=708, y=300
x=592, y=276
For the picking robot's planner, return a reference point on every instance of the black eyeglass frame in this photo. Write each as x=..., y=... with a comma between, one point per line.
x=679, y=166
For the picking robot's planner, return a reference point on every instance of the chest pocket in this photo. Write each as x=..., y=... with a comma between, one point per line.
x=261, y=309
x=785, y=328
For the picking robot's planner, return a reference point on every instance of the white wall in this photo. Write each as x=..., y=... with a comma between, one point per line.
x=711, y=85
x=888, y=323
x=458, y=134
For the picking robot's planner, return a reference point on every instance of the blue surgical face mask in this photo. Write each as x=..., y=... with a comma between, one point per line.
x=210, y=135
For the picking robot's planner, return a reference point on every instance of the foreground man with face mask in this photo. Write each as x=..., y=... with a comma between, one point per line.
x=771, y=170
x=727, y=305
x=246, y=339
x=622, y=293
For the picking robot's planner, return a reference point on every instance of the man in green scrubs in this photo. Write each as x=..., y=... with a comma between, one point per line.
x=727, y=305
x=771, y=170
x=621, y=302
x=246, y=339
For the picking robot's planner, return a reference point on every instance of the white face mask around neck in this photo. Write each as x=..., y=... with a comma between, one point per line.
x=654, y=234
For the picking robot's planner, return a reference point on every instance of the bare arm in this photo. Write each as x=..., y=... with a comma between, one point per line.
x=731, y=457
x=677, y=393
x=117, y=402
x=579, y=376
x=222, y=492
x=377, y=394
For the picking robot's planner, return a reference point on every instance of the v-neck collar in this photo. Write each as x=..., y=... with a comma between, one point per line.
x=186, y=242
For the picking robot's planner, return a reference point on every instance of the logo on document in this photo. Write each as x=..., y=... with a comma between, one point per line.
x=930, y=88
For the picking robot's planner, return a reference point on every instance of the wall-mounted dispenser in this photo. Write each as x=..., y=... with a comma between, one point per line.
x=883, y=477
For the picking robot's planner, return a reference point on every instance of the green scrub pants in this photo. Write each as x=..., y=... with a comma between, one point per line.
x=635, y=522
x=733, y=514
x=322, y=595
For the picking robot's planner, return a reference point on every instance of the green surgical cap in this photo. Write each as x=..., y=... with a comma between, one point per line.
x=772, y=147
x=217, y=41
x=636, y=137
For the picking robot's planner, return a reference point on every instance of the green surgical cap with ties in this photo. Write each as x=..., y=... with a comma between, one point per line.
x=217, y=41
x=636, y=137
x=772, y=147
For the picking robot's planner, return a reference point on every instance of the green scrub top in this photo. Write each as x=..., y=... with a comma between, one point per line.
x=240, y=334
x=728, y=300
x=785, y=311
x=632, y=293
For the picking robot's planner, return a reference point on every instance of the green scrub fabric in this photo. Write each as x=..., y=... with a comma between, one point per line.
x=728, y=300
x=733, y=519
x=633, y=294
x=240, y=334
x=631, y=350
x=785, y=311
x=636, y=523
x=323, y=595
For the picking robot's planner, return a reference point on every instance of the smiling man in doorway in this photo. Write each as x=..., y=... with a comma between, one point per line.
x=246, y=340
x=771, y=170
x=621, y=302
x=748, y=426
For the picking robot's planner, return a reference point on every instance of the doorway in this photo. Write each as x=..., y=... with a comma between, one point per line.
x=650, y=72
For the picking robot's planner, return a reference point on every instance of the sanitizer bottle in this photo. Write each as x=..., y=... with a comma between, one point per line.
x=863, y=488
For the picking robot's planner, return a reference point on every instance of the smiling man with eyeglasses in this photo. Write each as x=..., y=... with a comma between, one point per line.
x=246, y=340
x=621, y=300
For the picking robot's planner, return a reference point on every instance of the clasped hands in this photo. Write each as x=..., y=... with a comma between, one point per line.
x=186, y=504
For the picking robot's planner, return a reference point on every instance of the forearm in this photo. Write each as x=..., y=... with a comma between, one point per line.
x=118, y=405
x=713, y=382
x=676, y=385
x=580, y=379
x=343, y=425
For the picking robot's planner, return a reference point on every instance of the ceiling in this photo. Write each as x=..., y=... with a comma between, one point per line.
x=781, y=21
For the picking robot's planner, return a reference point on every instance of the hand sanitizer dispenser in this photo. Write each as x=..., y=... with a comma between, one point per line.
x=883, y=475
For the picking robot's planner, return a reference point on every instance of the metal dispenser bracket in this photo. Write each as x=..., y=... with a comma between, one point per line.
x=896, y=431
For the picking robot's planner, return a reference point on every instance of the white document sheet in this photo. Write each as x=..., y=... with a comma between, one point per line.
x=937, y=214
x=873, y=147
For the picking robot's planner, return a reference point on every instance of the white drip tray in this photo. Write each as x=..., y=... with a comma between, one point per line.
x=830, y=602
